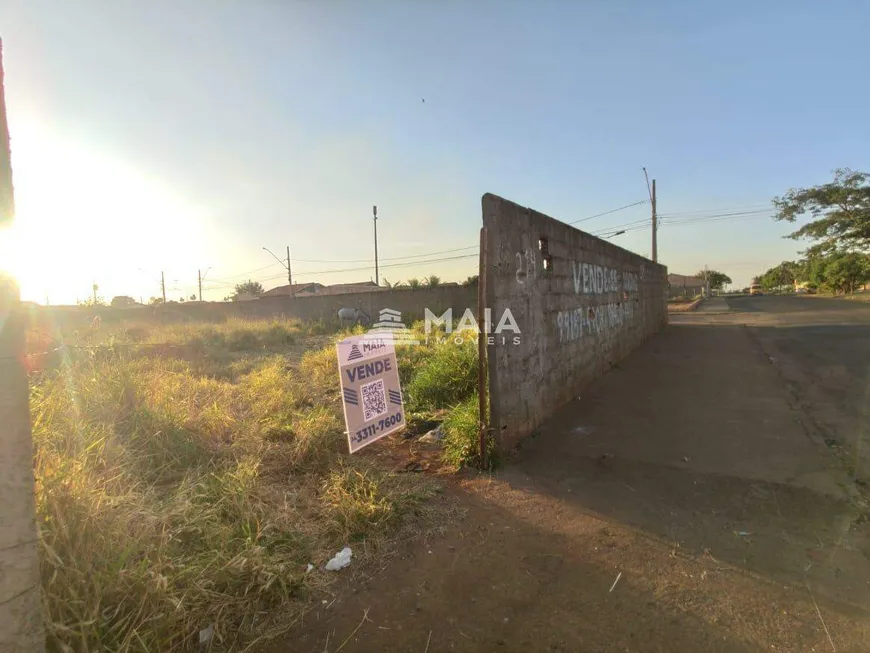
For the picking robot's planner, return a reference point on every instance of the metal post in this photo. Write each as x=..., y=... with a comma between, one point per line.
x=482, y=337
x=375, y=218
x=655, y=225
x=289, y=272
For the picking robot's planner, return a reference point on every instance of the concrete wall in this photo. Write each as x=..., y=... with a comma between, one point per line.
x=409, y=302
x=581, y=304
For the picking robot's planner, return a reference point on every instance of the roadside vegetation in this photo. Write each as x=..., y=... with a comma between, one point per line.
x=838, y=229
x=186, y=475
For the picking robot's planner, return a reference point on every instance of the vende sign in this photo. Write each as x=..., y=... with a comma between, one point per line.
x=370, y=389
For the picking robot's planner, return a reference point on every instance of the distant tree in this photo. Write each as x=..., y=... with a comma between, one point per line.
x=784, y=274
x=414, y=283
x=253, y=288
x=471, y=281
x=717, y=280
x=841, y=212
x=432, y=281
x=92, y=301
x=387, y=284
x=843, y=272
x=192, y=297
x=122, y=301
x=153, y=301
x=181, y=299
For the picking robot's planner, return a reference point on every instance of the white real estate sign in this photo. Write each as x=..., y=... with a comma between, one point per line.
x=370, y=389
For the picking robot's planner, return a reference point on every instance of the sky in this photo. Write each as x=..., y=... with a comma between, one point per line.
x=177, y=137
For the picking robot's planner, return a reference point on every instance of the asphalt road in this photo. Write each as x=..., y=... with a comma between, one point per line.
x=822, y=347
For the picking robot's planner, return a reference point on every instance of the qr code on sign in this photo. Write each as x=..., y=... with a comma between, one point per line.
x=374, y=399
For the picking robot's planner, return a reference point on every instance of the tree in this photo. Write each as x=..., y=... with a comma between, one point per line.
x=122, y=301
x=784, y=274
x=192, y=297
x=92, y=301
x=843, y=272
x=840, y=211
x=717, y=280
x=153, y=301
x=252, y=288
x=433, y=280
x=414, y=283
x=471, y=281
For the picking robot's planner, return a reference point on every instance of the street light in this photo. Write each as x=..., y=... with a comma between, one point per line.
x=618, y=233
x=286, y=265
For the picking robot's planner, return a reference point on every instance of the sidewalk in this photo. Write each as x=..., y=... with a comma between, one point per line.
x=713, y=305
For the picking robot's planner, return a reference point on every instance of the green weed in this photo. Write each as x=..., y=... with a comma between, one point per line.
x=461, y=444
x=177, y=492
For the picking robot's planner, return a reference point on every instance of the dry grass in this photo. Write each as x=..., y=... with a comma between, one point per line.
x=186, y=475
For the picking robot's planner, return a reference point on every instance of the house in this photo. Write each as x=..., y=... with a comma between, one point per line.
x=284, y=291
x=345, y=288
x=314, y=289
x=681, y=285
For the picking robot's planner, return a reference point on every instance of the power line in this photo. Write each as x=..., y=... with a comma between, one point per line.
x=244, y=274
x=230, y=280
x=598, y=215
x=391, y=258
x=356, y=269
x=719, y=218
x=699, y=215
x=745, y=207
x=629, y=226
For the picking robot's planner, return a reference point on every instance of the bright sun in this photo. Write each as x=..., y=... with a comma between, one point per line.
x=82, y=217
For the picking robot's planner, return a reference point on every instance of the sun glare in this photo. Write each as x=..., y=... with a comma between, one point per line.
x=84, y=217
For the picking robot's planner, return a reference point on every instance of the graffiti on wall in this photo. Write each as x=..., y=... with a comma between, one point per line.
x=591, y=279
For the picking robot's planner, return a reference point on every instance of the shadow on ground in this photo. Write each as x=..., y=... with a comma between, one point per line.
x=683, y=503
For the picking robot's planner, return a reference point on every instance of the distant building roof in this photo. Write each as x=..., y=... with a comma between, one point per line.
x=284, y=291
x=345, y=288
x=685, y=280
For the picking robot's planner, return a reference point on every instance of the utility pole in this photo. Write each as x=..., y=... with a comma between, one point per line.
x=286, y=265
x=289, y=272
x=375, y=219
x=163, y=286
x=655, y=225
x=20, y=595
x=95, y=292
x=655, y=220
x=200, y=277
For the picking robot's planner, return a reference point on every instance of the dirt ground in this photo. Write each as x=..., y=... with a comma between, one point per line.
x=697, y=498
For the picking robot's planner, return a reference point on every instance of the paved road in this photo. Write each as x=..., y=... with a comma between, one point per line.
x=822, y=347
x=705, y=495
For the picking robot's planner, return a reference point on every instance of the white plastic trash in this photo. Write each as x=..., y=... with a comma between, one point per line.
x=341, y=560
x=206, y=634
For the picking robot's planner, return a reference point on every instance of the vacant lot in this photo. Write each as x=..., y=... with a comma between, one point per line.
x=188, y=474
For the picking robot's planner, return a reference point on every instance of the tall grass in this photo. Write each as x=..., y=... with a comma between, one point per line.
x=186, y=476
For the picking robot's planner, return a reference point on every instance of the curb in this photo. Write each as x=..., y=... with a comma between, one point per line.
x=688, y=307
